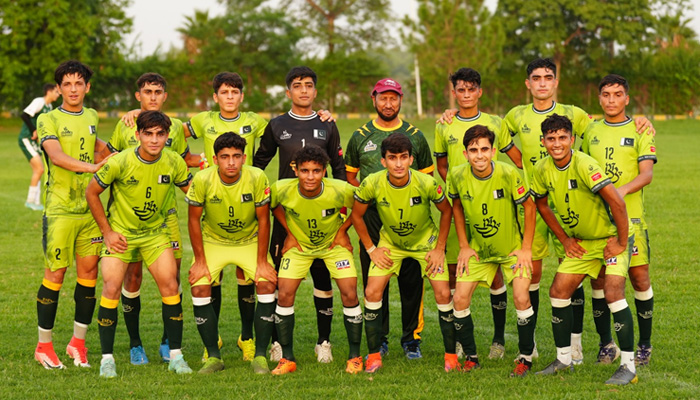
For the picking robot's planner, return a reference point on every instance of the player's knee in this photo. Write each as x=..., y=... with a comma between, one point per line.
x=349, y=297
x=461, y=301
x=201, y=291
x=265, y=287
x=285, y=298
x=521, y=299
x=442, y=294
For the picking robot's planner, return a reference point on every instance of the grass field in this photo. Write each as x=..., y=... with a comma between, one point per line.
x=674, y=232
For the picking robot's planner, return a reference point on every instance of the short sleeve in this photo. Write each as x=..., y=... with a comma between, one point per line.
x=452, y=190
x=437, y=195
x=518, y=187
x=352, y=156
x=581, y=121
x=46, y=128
x=505, y=140
x=116, y=142
x=348, y=195
x=182, y=173
x=440, y=146
x=262, y=190
x=274, y=194
x=196, y=194
x=539, y=188
x=593, y=176
x=195, y=125
x=109, y=172
x=366, y=192
x=646, y=147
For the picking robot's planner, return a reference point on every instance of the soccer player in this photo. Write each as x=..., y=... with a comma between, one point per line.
x=152, y=93
x=308, y=208
x=289, y=133
x=403, y=196
x=362, y=159
x=28, y=142
x=234, y=199
x=629, y=162
x=68, y=136
x=140, y=181
x=449, y=153
x=486, y=193
x=584, y=199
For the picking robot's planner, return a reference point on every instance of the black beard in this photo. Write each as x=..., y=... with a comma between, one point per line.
x=389, y=118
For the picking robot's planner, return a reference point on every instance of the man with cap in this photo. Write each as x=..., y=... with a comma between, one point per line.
x=362, y=158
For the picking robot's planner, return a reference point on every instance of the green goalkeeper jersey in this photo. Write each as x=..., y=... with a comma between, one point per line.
x=210, y=125
x=140, y=189
x=314, y=222
x=405, y=212
x=229, y=208
x=76, y=132
x=574, y=191
x=620, y=149
x=490, y=205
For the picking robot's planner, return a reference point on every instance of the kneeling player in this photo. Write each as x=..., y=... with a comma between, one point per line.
x=235, y=201
x=140, y=179
x=309, y=210
x=585, y=198
x=486, y=193
x=403, y=199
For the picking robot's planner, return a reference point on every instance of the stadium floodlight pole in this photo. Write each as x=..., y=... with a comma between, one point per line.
x=419, y=100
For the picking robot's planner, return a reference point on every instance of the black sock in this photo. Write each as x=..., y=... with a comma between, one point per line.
x=46, y=307
x=578, y=307
x=499, y=304
x=246, y=307
x=132, y=311
x=264, y=326
x=207, y=325
x=107, y=326
x=172, y=320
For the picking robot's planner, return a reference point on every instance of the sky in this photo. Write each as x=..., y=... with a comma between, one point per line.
x=151, y=33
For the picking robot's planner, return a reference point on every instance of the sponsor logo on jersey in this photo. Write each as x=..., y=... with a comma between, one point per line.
x=611, y=261
x=595, y=141
x=627, y=142
x=635, y=250
x=97, y=240
x=342, y=264
x=164, y=179
x=439, y=189
x=488, y=227
x=573, y=184
x=521, y=189
x=246, y=129
x=652, y=149
x=370, y=147
x=232, y=225
x=267, y=190
x=246, y=197
x=596, y=176
x=291, y=212
x=416, y=200
x=452, y=140
x=169, y=142
x=285, y=135
x=93, y=130
x=211, y=130
x=132, y=141
x=383, y=202
x=498, y=194
x=175, y=245
x=328, y=212
x=320, y=134
x=404, y=228
x=467, y=197
x=149, y=210
x=66, y=132
x=132, y=181
x=525, y=129
x=215, y=200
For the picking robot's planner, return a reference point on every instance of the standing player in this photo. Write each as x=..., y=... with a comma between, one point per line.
x=629, y=163
x=28, y=142
x=68, y=136
x=290, y=132
x=486, y=193
x=403, y=198
x=140, y=181
x=234, y=199
x=362, y=159
x=449, y=153
x=309, y=210
x=151, y=94
x=584, y=198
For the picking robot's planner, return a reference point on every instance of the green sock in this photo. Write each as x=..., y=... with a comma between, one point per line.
x=208, y=327
x=352, y=318
x=601, y=318
x=107, y=326
x=285, y=330
x=624, y=327
x=246, y=307
x=562, y=318
x=131, y=307
x=172, y=320
x=464, y=332
x=46, y=307
x=373, y=329
x=447, y=327
x=578, y=307
x=645, y=313
x=264, y=323
x=526, y=331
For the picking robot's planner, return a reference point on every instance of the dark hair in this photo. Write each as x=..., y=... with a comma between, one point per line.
x=613, y=79
x=397, y=143
x=468, y=75
x=48, y=87
x=477, y=132
x=72, y=67
x=229, y=140
x=152, y=78
x=547, y=63
x=149, y=119
x=311, y=153
x=556, y=122
x=229, y=79
x=301, y=73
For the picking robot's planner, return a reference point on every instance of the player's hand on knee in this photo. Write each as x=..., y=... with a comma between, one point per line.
x=289, y=242
x=436, y=262
x=115, y=242
x=524, y=263
x=342, y=239
x=198, y=270
x=129, y=119
x=613, y=248
x=266, y=271
x=572, y=248
x=446, y=118
x=380, y=257
x=465, y=254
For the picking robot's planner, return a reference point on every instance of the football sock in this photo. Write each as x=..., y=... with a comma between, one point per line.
x=32, y=195
x=601, y=316
x=246, y=307
x=373, y=325
x=323, y=300
x=535, y=299
x=264, y=322
x=47, y=303
x=131, y=306
x=207, y=325
x=562, y=316
x=447, y=327
x=578, y=306
x=216, y=299
x=107, y=315
x=526, y=331
x=624, y=325
x=644, y=302
x=464, y=330
x=627, y=359
x=352, y=318
x=499, y=303
x=284, y=322
x=172, y=320
x=85, y=300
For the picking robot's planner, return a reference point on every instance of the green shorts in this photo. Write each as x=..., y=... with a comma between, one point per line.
x=65, y=236
x=398, y=255
x=593, y=261
x=174, y=232
x=452, y=252
x=540, y=242
x=296, y=265
x=641, y=253
x=29, y=148
x=145, y=247
x=484, y=272
x=219, y=255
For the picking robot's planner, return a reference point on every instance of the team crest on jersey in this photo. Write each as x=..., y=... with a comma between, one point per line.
x=232, y=225
x=452, y=140
x=246, y=197
x=246, y=129
x=498, y=194
x=525, y=129
x=404, y=228
x=370, y=147
x=595, y=141
x=416, y=200
x=132, y=181
x=571, y=218
x=488, y=227
x=328, y=212
x=164, y=179
x=93, y=130
x=342, y=264
x=215, y=200
x=66, y=132
x=285, y=135
x=383, y=202
x=317, y=236
x=320, y=134
x=573, y=184
x=627, y=142
x=149, y=210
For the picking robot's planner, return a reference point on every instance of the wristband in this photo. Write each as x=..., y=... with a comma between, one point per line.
x=371, y=249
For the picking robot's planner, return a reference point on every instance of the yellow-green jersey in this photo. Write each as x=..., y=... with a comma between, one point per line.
x=449, y=137
x=620, y=149
x=76, y=132
x=405, y=212
x=574, y=191
x=490, y=204
x=526, y=122
x=229, y=208
x=210, y=125
x=314, y=222
x=140, y=189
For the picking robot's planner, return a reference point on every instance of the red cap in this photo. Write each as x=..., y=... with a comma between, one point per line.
x=385, y=85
